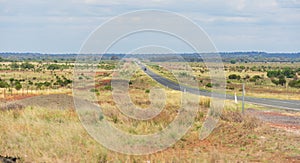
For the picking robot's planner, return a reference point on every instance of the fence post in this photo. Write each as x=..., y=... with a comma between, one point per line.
x=243, y=103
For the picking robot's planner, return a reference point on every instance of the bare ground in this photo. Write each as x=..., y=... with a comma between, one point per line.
x=281, y=119
x=53, y=101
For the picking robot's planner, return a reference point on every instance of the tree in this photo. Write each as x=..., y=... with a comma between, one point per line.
x=53, y=67
x=114, y=58
x=27, y=65
x=14, y=66
x=3, y=84
x=288, y=72
x=233, y=61
x=18, y=86
x=11, y=80
x=273, y=73
x=282, y=80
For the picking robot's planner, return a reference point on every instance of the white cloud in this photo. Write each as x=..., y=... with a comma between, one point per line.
x=289, y=3
x=241, y=22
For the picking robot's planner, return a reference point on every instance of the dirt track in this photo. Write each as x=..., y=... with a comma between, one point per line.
x=277, y=118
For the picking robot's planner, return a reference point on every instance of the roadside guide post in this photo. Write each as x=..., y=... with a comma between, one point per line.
x=235, y=98
x=236, y=101
x=243, y=103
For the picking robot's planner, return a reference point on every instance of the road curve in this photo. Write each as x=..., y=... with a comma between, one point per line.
x=276, y=103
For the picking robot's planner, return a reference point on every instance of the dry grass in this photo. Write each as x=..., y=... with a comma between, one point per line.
x=46, y=135
x=43, y=135
x=50, y=135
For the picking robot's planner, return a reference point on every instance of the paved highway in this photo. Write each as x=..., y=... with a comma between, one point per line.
x=276, y=103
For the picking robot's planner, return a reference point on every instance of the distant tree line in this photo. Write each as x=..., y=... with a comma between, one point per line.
x=286, y=72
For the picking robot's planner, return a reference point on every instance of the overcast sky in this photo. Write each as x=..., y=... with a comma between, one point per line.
x=61, y=26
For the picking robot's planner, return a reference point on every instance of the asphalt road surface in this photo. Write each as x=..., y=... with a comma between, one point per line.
x=276, y=103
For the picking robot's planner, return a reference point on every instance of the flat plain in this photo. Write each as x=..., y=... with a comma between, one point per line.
x=39, y=123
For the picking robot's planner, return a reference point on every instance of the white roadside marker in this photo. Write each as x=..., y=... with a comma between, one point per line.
x=235, y=98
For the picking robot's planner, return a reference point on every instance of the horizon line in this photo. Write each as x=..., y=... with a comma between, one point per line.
x=118, y=53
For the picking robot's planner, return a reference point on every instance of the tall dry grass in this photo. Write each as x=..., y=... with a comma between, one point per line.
x=44, y=135
x=37, y=134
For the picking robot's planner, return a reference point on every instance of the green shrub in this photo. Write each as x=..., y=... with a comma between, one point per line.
x=234, y=77
x=294, y=83
x=287, y=72
x=14, y=66
x=108, y=87
x=255, y=78
x=230, y=87
x=53, y=67
x=3, y=84
x=276, y=82
x=273, y=73
x=18, y=86
x=233, y=61
x=27, y=65
x=282, y=80
x=209, y=85
x=93, y=90
x=106, y=66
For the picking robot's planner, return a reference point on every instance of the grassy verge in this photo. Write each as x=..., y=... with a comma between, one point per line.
x=37, y=134
x=43, y=135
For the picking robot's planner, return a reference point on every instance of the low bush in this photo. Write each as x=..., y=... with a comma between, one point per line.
x=234, y=77
x=294, y=83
